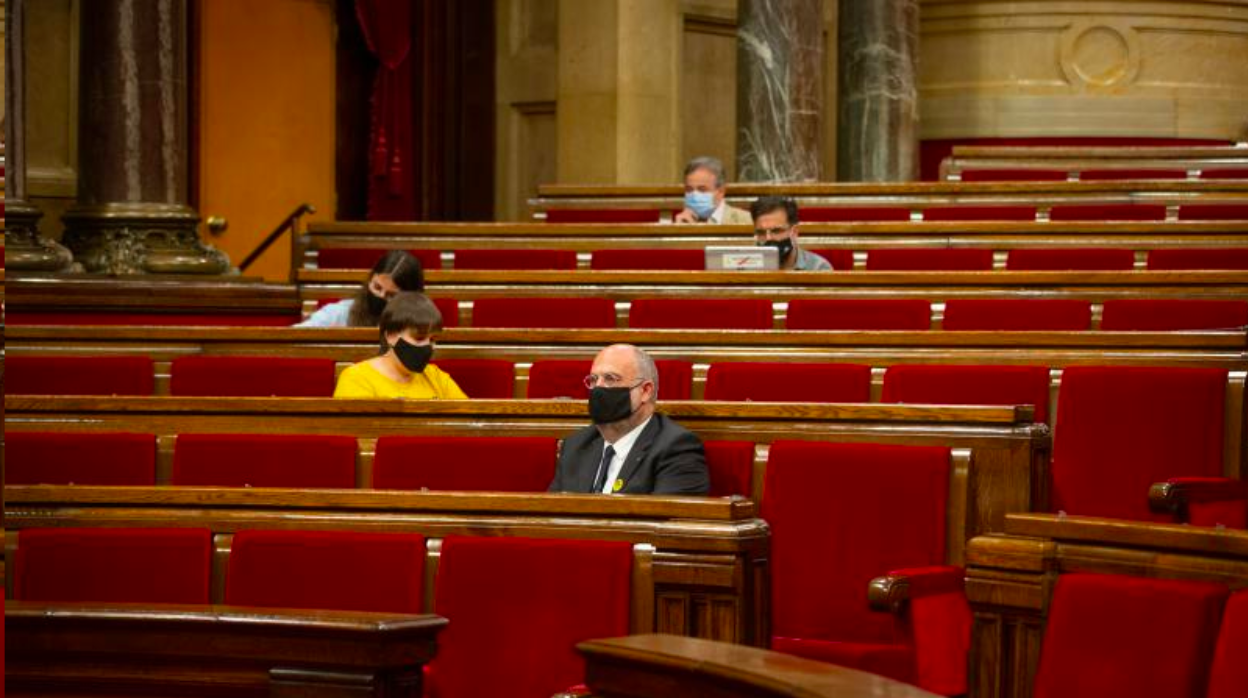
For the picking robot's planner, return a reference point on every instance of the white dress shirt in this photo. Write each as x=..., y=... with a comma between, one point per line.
x=622, y=447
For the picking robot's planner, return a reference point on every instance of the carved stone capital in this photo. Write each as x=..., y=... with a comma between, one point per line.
x=141, y=238
x=24, y=248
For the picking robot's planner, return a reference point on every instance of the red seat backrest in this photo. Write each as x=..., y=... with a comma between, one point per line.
x=788, y=382
x=1118, y=635
x=336, y=570
x=20, y=317
x=1108, y=212
x=251, y=376
x=483, y=379
x=675, y=379
x=85, y=458
x=365, y=258
x=1013, y=175
x=515, y=259
x=701, y=314
x=79, y=375
x=603, y=215
x=1017, y=314
x=264, y=460
x=1070, y=258
x=731, y=467
x=1131, y=173
x=1225, y=173
x=565, y=378
x=551, y=313
x=859, y=314
x=449, y=308
x=930, y=259
x=517, y=607
x=469, y=463
x=1156, y=314
x=1228, y=677
x=122, y=565
x=1121, y=428
x=969, y=385
x=1213, y=212
x=849, y=214
x=979, y=213
x=1199, y=258
x=655, y=259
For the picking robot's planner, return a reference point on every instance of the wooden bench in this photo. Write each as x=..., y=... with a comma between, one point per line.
x=94, y=649
x=1011, y=578
x=1189, y=162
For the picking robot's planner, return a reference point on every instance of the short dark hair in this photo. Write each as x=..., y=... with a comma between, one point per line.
x=402, y=268
x=766, y=204
x=409, y=310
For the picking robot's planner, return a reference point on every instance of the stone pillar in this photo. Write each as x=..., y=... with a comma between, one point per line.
x=877, y=131
x=132, y=216
x=779, y=89
x=24, y=248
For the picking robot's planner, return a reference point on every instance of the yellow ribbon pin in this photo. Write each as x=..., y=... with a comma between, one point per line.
x=617, y=485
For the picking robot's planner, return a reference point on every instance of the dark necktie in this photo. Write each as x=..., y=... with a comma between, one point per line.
x=600, y=479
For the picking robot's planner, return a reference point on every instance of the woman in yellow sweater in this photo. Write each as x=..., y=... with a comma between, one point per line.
x=407, y=328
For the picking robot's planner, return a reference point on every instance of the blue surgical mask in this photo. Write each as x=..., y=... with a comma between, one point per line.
x=702, y=203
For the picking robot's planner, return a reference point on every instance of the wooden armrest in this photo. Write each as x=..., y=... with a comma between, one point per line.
x=891, y=592
x=1174, y=495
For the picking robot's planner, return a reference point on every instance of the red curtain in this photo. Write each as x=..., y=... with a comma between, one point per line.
x=392, y=183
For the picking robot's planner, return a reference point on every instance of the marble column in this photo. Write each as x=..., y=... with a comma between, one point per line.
x=878, y=122
x=132, y=216
x=24, y=248
x=779, y=89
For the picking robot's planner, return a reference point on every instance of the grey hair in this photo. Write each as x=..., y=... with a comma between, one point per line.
x=647, y=370
x=710, y=164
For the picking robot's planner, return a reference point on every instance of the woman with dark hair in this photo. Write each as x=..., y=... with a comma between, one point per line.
x=407, y=329
x=396, y=271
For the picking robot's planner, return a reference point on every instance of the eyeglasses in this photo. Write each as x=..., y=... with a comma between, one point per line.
x=766, y=232
x=608, y=380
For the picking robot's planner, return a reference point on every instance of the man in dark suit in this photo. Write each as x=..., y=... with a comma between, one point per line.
x=629, y=449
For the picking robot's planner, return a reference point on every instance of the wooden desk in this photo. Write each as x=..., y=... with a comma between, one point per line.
x=1075, y=159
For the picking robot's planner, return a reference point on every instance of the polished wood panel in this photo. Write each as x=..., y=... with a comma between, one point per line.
x=1075, y=159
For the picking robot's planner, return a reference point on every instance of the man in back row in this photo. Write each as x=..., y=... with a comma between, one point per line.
x=775, y=225
x=704, y=195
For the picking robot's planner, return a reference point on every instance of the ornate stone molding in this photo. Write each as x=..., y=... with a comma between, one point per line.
x=24, y=248
x=140, y=238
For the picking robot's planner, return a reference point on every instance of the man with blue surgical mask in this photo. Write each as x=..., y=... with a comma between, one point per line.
x=704, y=195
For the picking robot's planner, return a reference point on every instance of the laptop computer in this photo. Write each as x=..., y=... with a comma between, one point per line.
x=742, y=258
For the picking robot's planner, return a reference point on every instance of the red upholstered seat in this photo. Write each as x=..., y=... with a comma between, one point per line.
x=1199, y=258
x=515, y=259
x=840, y=258
x=675, y=379
x=1172, y=314
x=1070, y=258
x=930, y=259
x=1013, y=175
x=79, y=375
x=1131, y=173
x=1108, y=212
x=788, y=382
x=849, y=214
x=841, y=515
x=1225, y=173
x=85, y=458
x=731, y=467
x=490, y=463
x=701, y=314
x=124, y=565
x=365, y=258
x=1022, y=314
x=449, y=308
x=552, y=313
x=518, y=606
x=1213, y=212
x=1117, y=635
x=337, y=570
x=969, y=385
x=20, y=317
x=654, y=259
x=264, y=460
x=1121, y=428
x=859, y=314
x=1228, y=677
x=565, y=378
x=251, y=376
x=483, y=379
x=603, y=215
x=979, y=213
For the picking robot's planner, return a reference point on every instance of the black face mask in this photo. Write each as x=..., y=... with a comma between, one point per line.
x=376, y=303
x=784, y=247
x=607, y=405
x=414, y=357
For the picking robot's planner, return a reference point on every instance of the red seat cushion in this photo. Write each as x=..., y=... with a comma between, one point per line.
x=1130, y=173
x=849, y=214
x=788, y=382
x=603, y=215
x=337, y=570
x=79, y=375
x=1024, y=314
x=1108, y=212
x=1199, y=258
x=654, y=259
x=930, y=259
x=979, y=213
x=1013, y=175
x=840, y=258
x=1213, y=212
x=1070, y=258
x=1121, y=428
x=85, y=458
x=1228, y=677
x=1116, y=635
x=565, y=378
x=731, y=467
x=491, y=463
x=517, y=608
x=555, y=313
x=1172, y=314
x=515, y=259
x=859, y=314
x=251, y=376
x=123, y=565
x=969, y=385
x=701, y=313
x=25, y=318
x=365, y=258
x=264, y=460
x=483, y=379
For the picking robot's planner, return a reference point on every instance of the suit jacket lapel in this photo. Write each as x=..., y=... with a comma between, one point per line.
x=638, y=451
x=593, y=457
